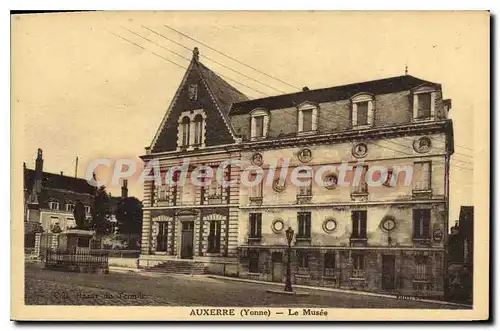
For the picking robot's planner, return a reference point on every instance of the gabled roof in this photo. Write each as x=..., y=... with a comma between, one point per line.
x=58, y=182
x=224, y=93
x=221, y=92
x=336, y=93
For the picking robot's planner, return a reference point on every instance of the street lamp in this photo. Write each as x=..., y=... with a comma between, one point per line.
x=289, y=238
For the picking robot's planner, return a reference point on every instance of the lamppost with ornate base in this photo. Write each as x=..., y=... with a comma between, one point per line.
x=289, y=238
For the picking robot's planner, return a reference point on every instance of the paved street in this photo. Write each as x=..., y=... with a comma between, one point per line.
x=46, y=287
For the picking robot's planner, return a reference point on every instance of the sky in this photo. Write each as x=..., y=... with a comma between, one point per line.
x=79, y=89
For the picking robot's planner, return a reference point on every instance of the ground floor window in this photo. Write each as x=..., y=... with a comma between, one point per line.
x=303, y=262
x=214, y=237
x=161, y=237
x=358, y=265
x=421, y=266
x=329, y=264
x=253, y=261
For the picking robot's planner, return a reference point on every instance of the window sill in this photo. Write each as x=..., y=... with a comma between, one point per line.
x=422, y=193
x=421, y=281
x=359, y=196
x=258, y=138
x=253, y=273
x=307, y=133
x=304, y=198
x=254, y=238
x=362, y=126
x=357, y=278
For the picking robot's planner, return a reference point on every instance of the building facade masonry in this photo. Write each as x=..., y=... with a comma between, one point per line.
x=385, y=238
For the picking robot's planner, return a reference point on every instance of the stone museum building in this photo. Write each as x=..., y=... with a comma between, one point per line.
x=384, y=238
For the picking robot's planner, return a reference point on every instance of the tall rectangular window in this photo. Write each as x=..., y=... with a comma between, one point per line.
x=421, y=266
x=362, y=113
x=185, y=128
x=329, y=264
x=422, y=174
x=255, y=225
x=161, y=237
x=259, y=126
x=214, y=237
x=358, y=223
x=253, y=261
x=358, y=265
x=304, y=221
x=307, y=120
x=424, y=105
x=421, y=221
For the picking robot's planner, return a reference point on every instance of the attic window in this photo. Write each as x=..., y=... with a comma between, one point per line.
x=54, y=205
x=307, y=118
x=259, y=123
x=70, y=206
x=423, y=103
x=87, y=210
x=185, y=128
x=362, y=110
x=191, y=132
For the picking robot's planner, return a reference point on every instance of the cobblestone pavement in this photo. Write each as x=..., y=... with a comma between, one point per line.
x=46, y=287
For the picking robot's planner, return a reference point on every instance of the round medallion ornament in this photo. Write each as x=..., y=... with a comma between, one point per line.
x=330, y=181
x=437, y=235
x=422, y=145
x=388, y=223
x=360, y=150
x=257, y=159
x=329, y=225
x=305, y=155
x=278, y=226
x=278, y=185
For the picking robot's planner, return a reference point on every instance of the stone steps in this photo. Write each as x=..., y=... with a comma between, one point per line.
x=180, y=267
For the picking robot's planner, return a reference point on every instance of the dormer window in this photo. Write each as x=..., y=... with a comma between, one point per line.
x=424, y=98
x=54, y=205
x=260, y=124
x=191, y=132
x=308, y=118
x=362, y=110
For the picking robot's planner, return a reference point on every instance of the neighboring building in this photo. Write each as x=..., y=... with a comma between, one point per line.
x=49, y=199
x=379, y=239
x=460, y=257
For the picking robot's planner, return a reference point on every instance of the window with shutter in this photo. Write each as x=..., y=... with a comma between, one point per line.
x=307, y=117
x=424, y=105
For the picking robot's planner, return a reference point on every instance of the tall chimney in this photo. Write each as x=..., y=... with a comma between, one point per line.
x=39, y=171
x=124, y=188
x=76, y=167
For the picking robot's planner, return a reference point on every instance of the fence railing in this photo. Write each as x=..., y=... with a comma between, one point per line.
x=76, y=258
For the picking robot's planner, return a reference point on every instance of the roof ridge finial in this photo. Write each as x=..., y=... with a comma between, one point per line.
x=406, y=68
x=196, y=54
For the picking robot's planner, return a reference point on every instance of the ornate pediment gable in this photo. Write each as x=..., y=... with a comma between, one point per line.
x=307, y=105
x=361, y=97
x=425, y=88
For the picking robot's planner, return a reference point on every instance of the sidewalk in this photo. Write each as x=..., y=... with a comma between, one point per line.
x=328, y=289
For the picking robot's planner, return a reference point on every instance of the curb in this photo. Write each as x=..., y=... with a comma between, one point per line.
x=327, y=289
